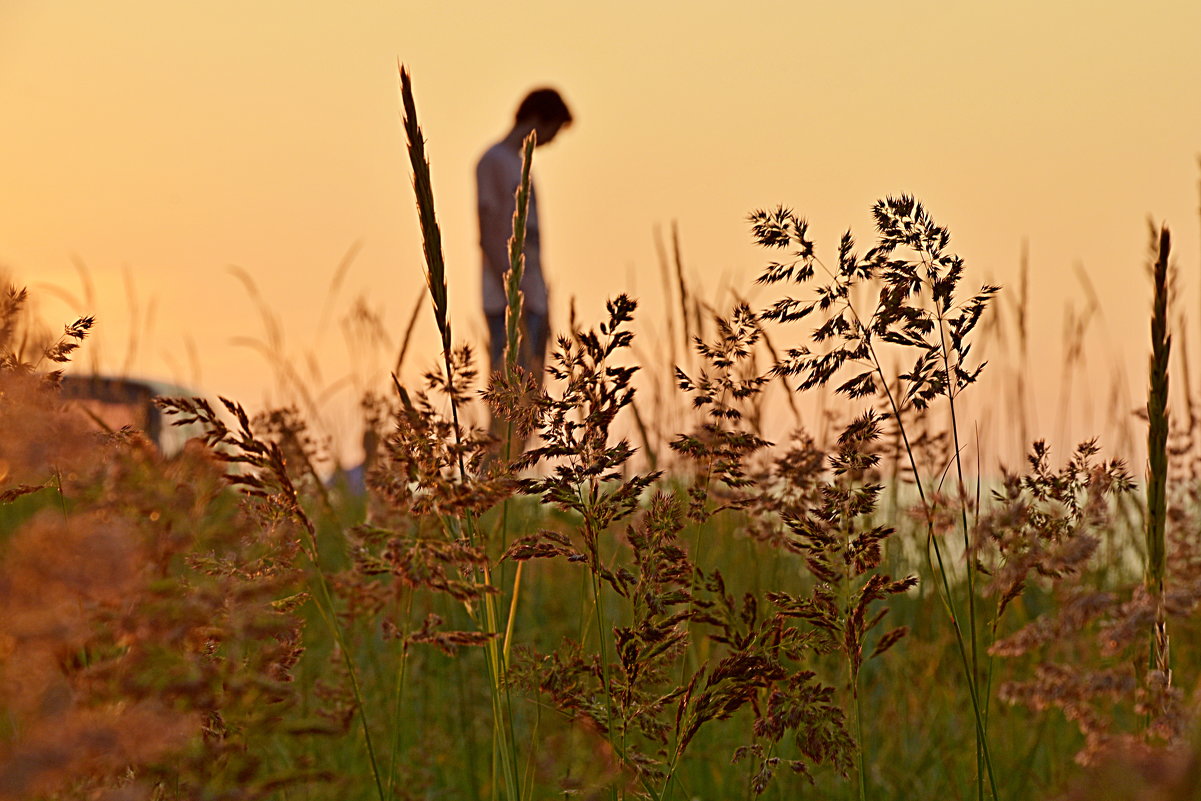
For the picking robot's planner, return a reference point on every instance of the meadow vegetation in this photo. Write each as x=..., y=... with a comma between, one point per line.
x=544, y=612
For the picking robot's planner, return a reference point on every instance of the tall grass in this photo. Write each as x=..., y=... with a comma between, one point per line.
x=840, y=614
x=505, y=750
x=917, y=309
x=1157, y=455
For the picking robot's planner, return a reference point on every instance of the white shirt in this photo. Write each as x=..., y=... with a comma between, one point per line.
x=497, y=177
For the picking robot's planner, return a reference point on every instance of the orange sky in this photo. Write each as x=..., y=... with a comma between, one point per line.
x=159, y=143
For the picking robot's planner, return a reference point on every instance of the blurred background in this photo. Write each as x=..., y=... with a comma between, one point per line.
x=225, y=185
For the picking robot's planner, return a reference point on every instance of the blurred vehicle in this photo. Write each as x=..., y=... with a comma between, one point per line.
x=114, y=403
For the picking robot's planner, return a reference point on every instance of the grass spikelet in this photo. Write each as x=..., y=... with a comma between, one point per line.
x=513, y=294
x=431, y=234
x=1157, y=454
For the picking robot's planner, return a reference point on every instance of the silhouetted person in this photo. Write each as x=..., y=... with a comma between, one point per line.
x=497, y=177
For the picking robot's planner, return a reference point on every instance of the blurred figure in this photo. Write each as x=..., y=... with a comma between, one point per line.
x=498, y=176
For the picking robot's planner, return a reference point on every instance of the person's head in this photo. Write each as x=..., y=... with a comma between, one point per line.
x=544, y=111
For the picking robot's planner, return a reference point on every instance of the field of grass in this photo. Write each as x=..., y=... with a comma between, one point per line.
x=547, y=613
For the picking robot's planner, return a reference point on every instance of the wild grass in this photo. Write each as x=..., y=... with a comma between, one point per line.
x=1157, y=455
x=542, y=614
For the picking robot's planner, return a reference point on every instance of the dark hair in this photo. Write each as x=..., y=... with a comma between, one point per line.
x=545, y=104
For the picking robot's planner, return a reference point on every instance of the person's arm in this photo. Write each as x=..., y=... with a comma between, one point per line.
x=496, y=206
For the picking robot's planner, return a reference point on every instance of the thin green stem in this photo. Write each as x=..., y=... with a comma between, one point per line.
x=326, y=608
x=945, y=590
x=859, y=736
x=852, y=670
x=513, y=313
x=62, y=496
x=600, y=631
x=398, y=696
x=969, y=557
x=501, y=706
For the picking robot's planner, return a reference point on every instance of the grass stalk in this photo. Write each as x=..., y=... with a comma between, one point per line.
x=325, y=606
x=1023, y=344
x=598, y=611
x=508, y=641
x=513, y=295
x=969, y=556
x=945, y=586
x=407, y=338
x=513, y=338
x=859, y=755
x=678, y=262
x=437, y=284
x=1157, y=456
x=970, y=568
x=668, y=309
x=398, y=696
x=852, y=672
x=968, y=655
x=514, y=302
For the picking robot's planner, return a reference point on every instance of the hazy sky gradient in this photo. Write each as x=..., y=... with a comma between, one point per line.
x=158, y=143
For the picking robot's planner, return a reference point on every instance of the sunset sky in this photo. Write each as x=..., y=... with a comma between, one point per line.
x=159, y=143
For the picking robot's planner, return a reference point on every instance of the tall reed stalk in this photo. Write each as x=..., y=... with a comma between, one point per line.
x=513, y=339
x=513, y=295
x=1157, y=456
x=678, y=262
x=514, y=305
x=502, y=727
